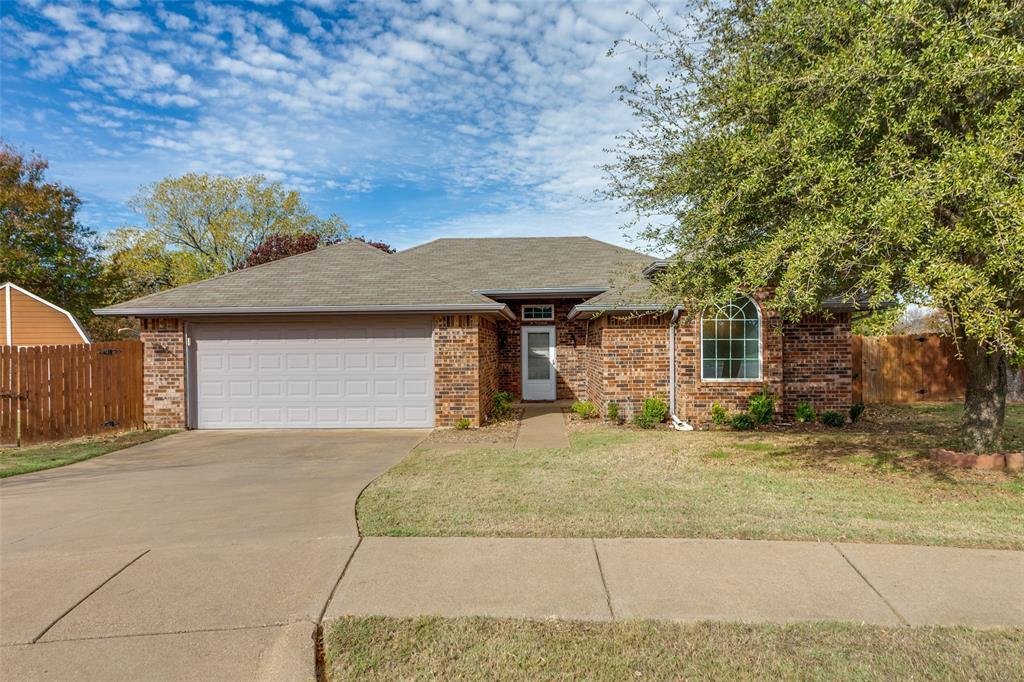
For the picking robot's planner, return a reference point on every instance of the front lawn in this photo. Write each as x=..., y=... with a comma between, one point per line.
x=866, y=483
x=14, y=461
x=379, y=648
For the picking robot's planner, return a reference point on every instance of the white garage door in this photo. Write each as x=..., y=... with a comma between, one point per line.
x=357, y=373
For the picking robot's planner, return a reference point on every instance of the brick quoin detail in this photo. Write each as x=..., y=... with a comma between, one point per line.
x=163, y=368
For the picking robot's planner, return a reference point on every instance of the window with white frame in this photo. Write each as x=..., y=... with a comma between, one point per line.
x=731, y=342
x=538, y=312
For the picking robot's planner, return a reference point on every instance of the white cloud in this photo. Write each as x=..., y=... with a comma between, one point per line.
x=507, y=105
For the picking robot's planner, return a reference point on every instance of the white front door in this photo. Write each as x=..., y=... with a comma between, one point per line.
x=538, y=363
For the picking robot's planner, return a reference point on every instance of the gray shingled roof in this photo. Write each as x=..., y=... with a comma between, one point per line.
x=347, y=277
x=515, y=264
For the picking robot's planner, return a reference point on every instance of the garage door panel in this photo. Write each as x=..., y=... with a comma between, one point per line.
x=317, y=375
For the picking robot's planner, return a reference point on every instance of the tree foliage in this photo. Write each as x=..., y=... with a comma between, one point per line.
x=43, y=246
x=840, y=148
x=278, y=246
x=201, y=225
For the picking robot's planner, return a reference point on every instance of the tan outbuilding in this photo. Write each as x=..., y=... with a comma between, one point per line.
x=29, y=320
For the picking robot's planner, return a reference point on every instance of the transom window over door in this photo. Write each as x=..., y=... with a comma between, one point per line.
x=731, y=342
x=538, y=312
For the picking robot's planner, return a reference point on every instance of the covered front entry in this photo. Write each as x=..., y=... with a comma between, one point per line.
x=367, y=372
x=538, y=370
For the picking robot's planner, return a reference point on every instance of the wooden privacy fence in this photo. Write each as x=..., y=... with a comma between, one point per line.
x=54, y=392
x=907, y=369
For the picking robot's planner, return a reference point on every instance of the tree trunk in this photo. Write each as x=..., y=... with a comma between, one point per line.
x=985, y=402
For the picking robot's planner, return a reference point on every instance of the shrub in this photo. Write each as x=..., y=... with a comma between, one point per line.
x=613, y=413
x=856, y=411
x=653, y=412
x=584, y=409
x=502, y=405
x=463, y=424
x=762, y=406
x=804, y=413
x=833, y=418
x=719, y=415
x=743, y=422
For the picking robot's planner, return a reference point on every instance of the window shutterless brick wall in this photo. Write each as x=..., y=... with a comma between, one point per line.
x=163, y=369
x=570, y=349
x=465, y=368
x=818, y=363
x=627, y=361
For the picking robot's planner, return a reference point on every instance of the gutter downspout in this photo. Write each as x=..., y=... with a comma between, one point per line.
x=677, y=423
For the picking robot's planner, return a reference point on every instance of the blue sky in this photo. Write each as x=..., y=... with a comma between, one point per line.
x=412, y=121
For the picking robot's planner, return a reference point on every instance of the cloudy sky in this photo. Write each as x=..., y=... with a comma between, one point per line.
x=412, y=121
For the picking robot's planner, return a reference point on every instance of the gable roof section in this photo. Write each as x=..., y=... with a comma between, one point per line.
x=496, y=266
x=347, y=277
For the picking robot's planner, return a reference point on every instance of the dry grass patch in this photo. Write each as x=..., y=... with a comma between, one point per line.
x=14, y=461
x=864, y=484
x=487, y=649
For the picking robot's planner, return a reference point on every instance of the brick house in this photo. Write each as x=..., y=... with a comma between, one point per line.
x=350, y=337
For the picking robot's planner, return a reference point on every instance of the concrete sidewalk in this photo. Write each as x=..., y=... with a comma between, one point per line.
x=542, y=426
x=682, y=580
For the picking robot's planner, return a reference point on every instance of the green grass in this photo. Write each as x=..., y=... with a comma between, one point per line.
x=866, y=483
x=14, y=461
x=380, y=648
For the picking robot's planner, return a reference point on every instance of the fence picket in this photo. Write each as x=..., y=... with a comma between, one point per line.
x=54, y=392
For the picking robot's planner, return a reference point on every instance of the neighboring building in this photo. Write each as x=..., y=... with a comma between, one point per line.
x=348, y=336
x=32, y=321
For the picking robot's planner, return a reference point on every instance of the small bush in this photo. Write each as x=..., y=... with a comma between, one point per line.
x=804, y=413
x=654, y=411
x=613, y=413
x=463, y=424
x=762, y=406
x=856, y=411
x=743, y=422
x=719, y=415
x=833, y=418
x=502, y=405
x=584, y=409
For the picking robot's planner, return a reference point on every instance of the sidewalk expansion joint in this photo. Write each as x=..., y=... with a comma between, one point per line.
x=158, y=633
x=604, y=583
x=334, y=589
x=903, y=621
x=91, y=592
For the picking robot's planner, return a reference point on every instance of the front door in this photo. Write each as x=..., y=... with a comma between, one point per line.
x=538, y=363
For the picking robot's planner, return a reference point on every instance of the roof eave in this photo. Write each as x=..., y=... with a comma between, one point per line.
x=496, y=308
x=594, y=310
x=585, y=291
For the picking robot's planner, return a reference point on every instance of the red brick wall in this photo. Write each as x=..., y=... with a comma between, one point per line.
x=487, y=339
x=694, y=396
x=818, y=365
x=465, y=368
x=570, y=349
x=163, y=368
x=595, y=364
x=628, y=361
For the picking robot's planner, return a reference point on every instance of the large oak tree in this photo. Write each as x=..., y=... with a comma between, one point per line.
x=843, y=148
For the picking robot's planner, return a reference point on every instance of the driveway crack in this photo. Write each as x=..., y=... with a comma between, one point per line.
x=91, y=592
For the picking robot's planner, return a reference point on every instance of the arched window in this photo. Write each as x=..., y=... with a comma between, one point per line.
x=731, y=342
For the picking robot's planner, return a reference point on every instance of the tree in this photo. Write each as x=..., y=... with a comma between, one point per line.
x=43, y=247
x=202, y=225
x=843, y=148
x=278, y=246
x=383, y=246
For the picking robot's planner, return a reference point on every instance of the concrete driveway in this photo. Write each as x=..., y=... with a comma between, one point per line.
x=203, y=555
